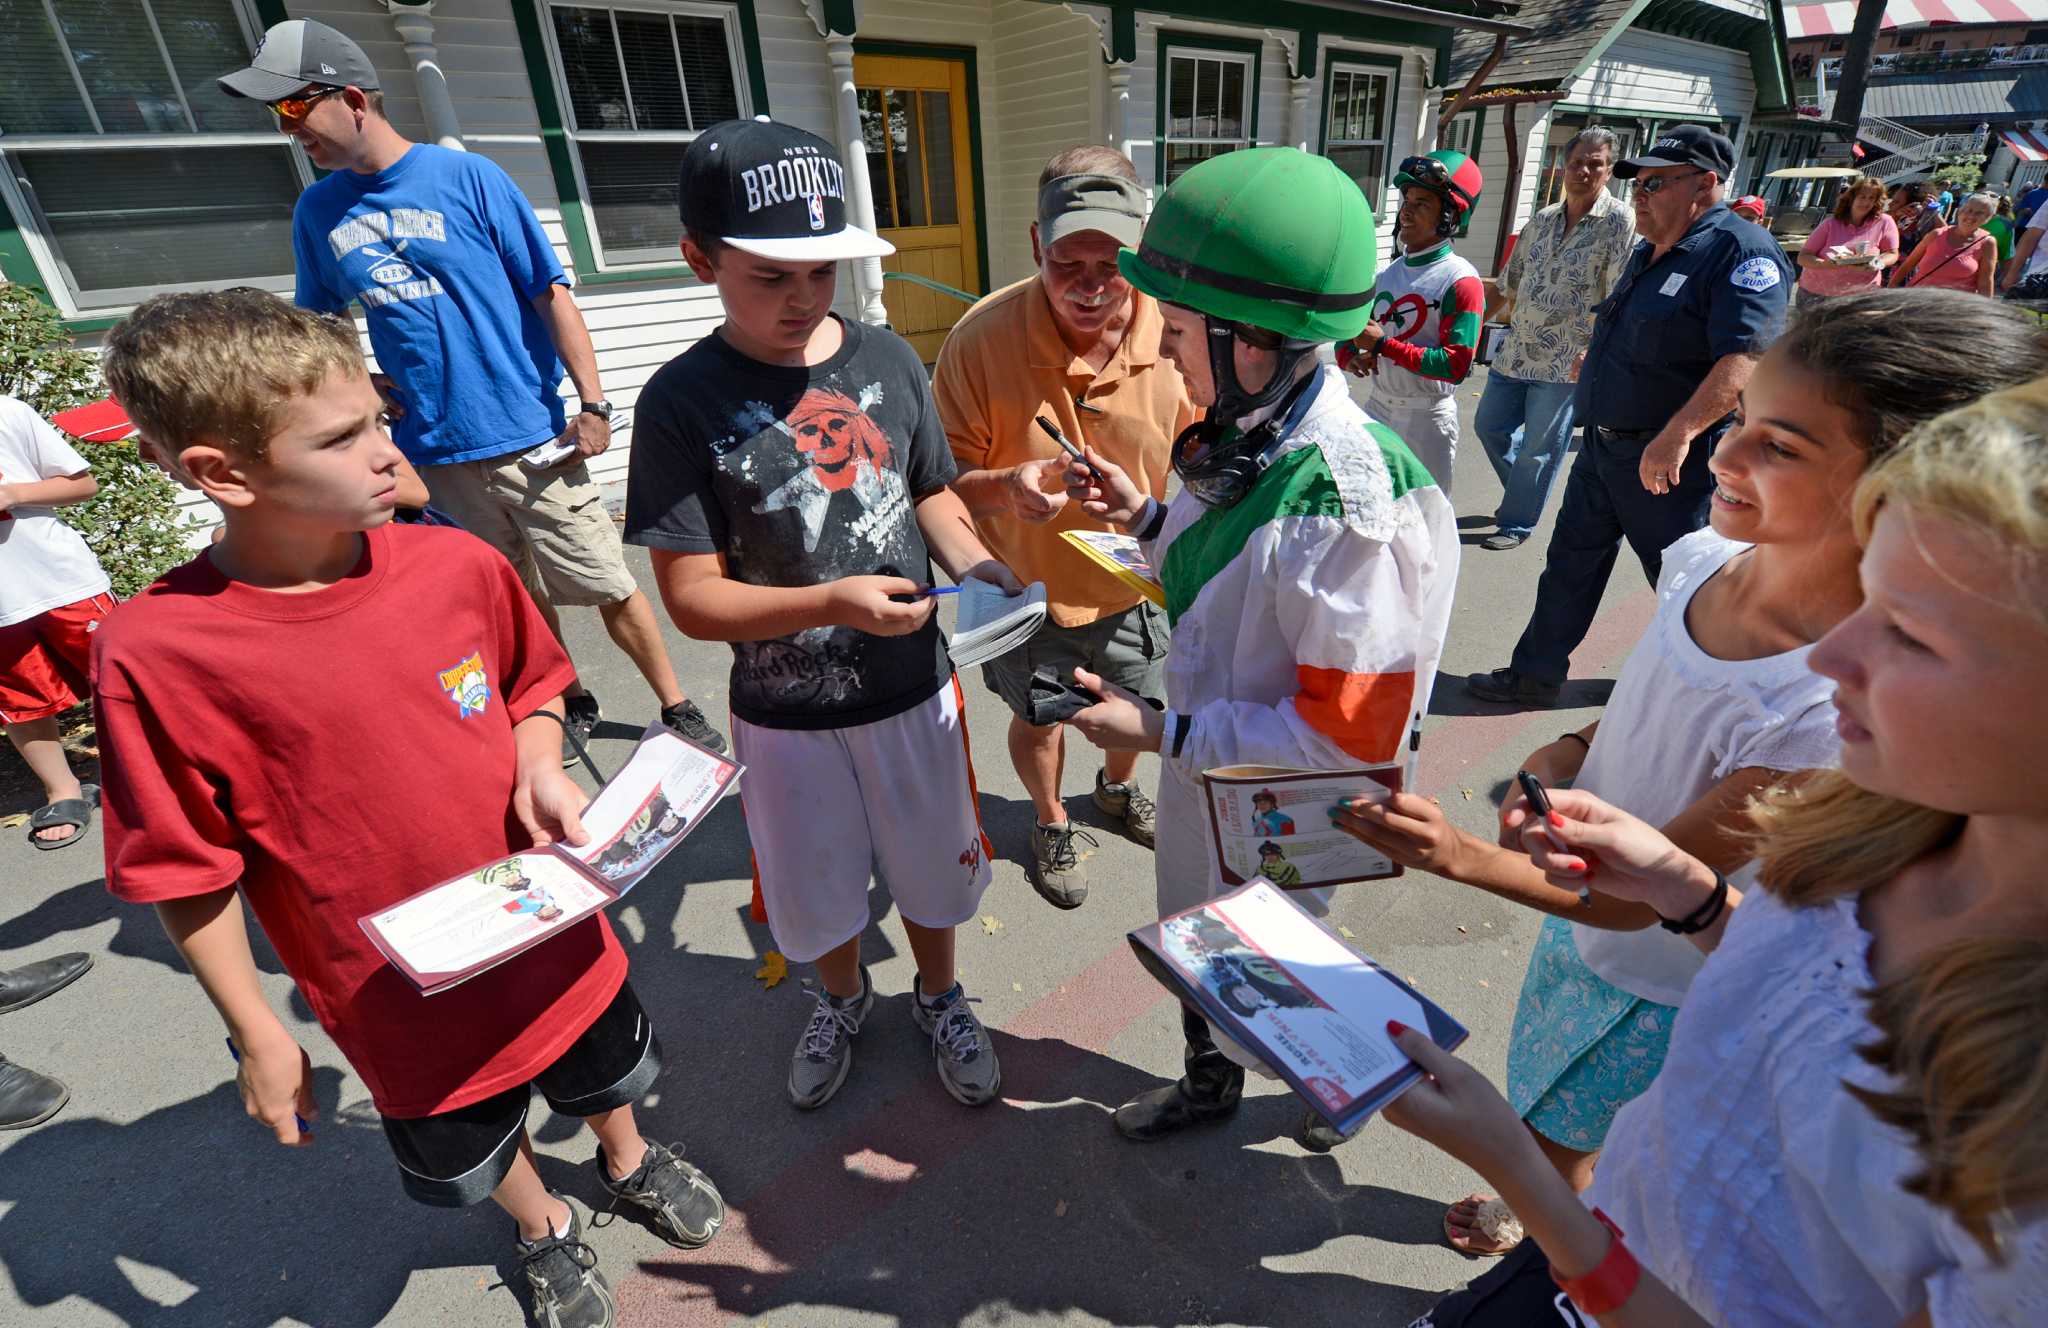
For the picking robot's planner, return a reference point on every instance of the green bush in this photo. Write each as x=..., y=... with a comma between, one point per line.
x=132, y=524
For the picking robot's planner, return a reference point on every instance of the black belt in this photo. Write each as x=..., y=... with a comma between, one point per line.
x=1626, y=435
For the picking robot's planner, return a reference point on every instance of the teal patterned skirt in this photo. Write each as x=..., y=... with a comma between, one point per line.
x=1581, y=1047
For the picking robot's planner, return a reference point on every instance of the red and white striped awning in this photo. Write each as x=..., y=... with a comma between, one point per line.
x=2026, y=144
x=1835, y=17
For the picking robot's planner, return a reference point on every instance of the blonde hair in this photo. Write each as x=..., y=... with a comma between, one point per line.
x=1964, y=1032
x=218, y=367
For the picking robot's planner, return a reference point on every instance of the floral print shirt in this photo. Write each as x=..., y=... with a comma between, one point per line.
x=1555, y=280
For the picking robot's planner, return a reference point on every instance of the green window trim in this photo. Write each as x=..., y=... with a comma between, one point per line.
x=561, y=152
x=1337, y=57
x=1171, y=39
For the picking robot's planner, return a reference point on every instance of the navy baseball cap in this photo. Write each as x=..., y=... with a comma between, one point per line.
x=1683, y=145
x=771, y=189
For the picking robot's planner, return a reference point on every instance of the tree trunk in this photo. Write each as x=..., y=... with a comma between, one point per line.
x=1848, y=109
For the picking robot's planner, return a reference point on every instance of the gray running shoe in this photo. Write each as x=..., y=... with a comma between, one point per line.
x=825, y=1051
x=960, y=1046
x=561, y=1272
x=1056, y=864
x=685, y=1208
x=1127, y=803
x=685, y=718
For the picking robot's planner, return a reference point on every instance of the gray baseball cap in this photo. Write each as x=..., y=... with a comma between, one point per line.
x=1107, y=203
x=297, y=54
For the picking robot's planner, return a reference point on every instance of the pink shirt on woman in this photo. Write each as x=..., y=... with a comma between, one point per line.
x=1878, y=235
x=1949, y=266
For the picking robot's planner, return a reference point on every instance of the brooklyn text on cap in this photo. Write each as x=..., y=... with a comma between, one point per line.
x=297, y=54
x=1682, y=145
x=1110, y=204
x=774, y=190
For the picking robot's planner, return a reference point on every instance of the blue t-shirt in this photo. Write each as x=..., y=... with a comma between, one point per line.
x=445, y=255
x=2032, y=199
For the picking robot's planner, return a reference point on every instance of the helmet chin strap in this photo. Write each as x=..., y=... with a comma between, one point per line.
x=1233, y=402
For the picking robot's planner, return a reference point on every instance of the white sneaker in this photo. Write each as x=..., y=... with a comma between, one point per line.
x=961, y=1048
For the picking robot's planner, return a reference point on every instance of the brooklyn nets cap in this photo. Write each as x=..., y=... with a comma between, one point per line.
x=300, y=53
x=774, y=190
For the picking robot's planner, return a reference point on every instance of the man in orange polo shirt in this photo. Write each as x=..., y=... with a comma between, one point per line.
x=1076, y=344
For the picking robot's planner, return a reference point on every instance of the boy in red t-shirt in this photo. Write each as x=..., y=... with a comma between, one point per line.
x=272, y=713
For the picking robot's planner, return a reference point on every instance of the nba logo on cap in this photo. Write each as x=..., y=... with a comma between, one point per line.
x=817, y=206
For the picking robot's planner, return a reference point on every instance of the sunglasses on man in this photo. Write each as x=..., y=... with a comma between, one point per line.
x=291, y=110
x=1651, y=184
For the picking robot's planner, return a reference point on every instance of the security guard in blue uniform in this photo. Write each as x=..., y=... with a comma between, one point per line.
x=1702, y=297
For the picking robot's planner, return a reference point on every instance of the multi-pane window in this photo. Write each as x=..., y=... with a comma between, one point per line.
x=909, y=139
x=127, y=169
x=1463, y=134
x=1360, y=118
x=639, y=81
x=1208, y=108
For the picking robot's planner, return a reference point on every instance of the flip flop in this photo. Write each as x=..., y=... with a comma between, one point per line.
x=1471, y=1244
x=75, y=812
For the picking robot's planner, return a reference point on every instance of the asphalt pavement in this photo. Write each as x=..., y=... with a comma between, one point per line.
x=152, y=1200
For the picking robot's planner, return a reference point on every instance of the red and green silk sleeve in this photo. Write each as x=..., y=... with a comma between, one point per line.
x=1457, y=328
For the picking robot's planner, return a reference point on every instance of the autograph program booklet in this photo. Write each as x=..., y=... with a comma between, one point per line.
x=453, y=931
x=1273, y=822
x=1121, y=556
x=1280, y=983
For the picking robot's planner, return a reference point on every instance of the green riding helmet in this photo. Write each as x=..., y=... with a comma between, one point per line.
x=1274, y=237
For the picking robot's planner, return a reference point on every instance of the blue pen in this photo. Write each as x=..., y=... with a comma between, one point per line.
x=304, y=1128
x=938, y=590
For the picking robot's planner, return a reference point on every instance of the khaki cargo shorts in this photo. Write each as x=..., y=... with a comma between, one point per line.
x=550, y=524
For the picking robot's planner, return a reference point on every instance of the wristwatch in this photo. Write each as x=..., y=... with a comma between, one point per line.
x=602, y=409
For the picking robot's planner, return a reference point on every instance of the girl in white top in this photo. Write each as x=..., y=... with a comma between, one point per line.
x=1715, y=704
x=1852, y=1124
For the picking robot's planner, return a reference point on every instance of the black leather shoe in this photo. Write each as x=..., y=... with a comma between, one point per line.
x=1508, y=687
x=1169, y=1110
x=31, y=982
x=28, y=1098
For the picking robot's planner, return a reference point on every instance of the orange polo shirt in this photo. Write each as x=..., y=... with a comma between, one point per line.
x=1003, y=366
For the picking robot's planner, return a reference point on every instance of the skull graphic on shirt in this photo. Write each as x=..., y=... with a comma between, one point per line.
x=837, y=435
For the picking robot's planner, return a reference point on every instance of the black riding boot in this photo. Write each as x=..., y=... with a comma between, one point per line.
x=1206, y=1094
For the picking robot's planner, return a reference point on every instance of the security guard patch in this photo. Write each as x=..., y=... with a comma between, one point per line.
x=1756, y=274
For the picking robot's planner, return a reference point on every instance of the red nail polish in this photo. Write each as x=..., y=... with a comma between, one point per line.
x=1557, y=821
x=1396, y=1028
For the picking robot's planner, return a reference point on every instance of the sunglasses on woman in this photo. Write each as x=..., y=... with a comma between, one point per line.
x=291, y=110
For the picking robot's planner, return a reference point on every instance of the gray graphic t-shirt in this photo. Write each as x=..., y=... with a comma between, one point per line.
x=799, y=476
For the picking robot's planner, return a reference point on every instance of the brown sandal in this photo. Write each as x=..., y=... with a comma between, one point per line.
x=1469, y=1239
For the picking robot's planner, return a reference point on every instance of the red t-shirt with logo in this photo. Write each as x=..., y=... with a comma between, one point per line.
x=334, y=752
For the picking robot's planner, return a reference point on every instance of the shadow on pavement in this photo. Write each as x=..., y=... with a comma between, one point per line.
x=1450, y=697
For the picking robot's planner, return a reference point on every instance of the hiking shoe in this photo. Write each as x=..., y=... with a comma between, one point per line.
x=1511, y=688
x=685, y=718
x=960, y=1046
x=1127, y=803
x=1056, y=864
x=686, y=1208
x=825, y=1051
x=579, y=718
x=1501, y=543
x=561, y=1272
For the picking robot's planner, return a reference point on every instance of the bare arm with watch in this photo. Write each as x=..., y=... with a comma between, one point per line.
x=589, y=431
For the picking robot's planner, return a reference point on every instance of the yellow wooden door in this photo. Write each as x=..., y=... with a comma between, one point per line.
x=913, y=116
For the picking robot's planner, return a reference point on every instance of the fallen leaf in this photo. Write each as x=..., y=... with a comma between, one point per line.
x=1484, y=983
x=1060, y=1209
x=1461, y=931
x=10, y=822
x=991, y=924
x=1016, y=986
x=1467, y=792
x=1349, y=935
x=774, y=968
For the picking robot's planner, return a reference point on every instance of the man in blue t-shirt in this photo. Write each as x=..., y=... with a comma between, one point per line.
x=471, y=319
x=2030, y=202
